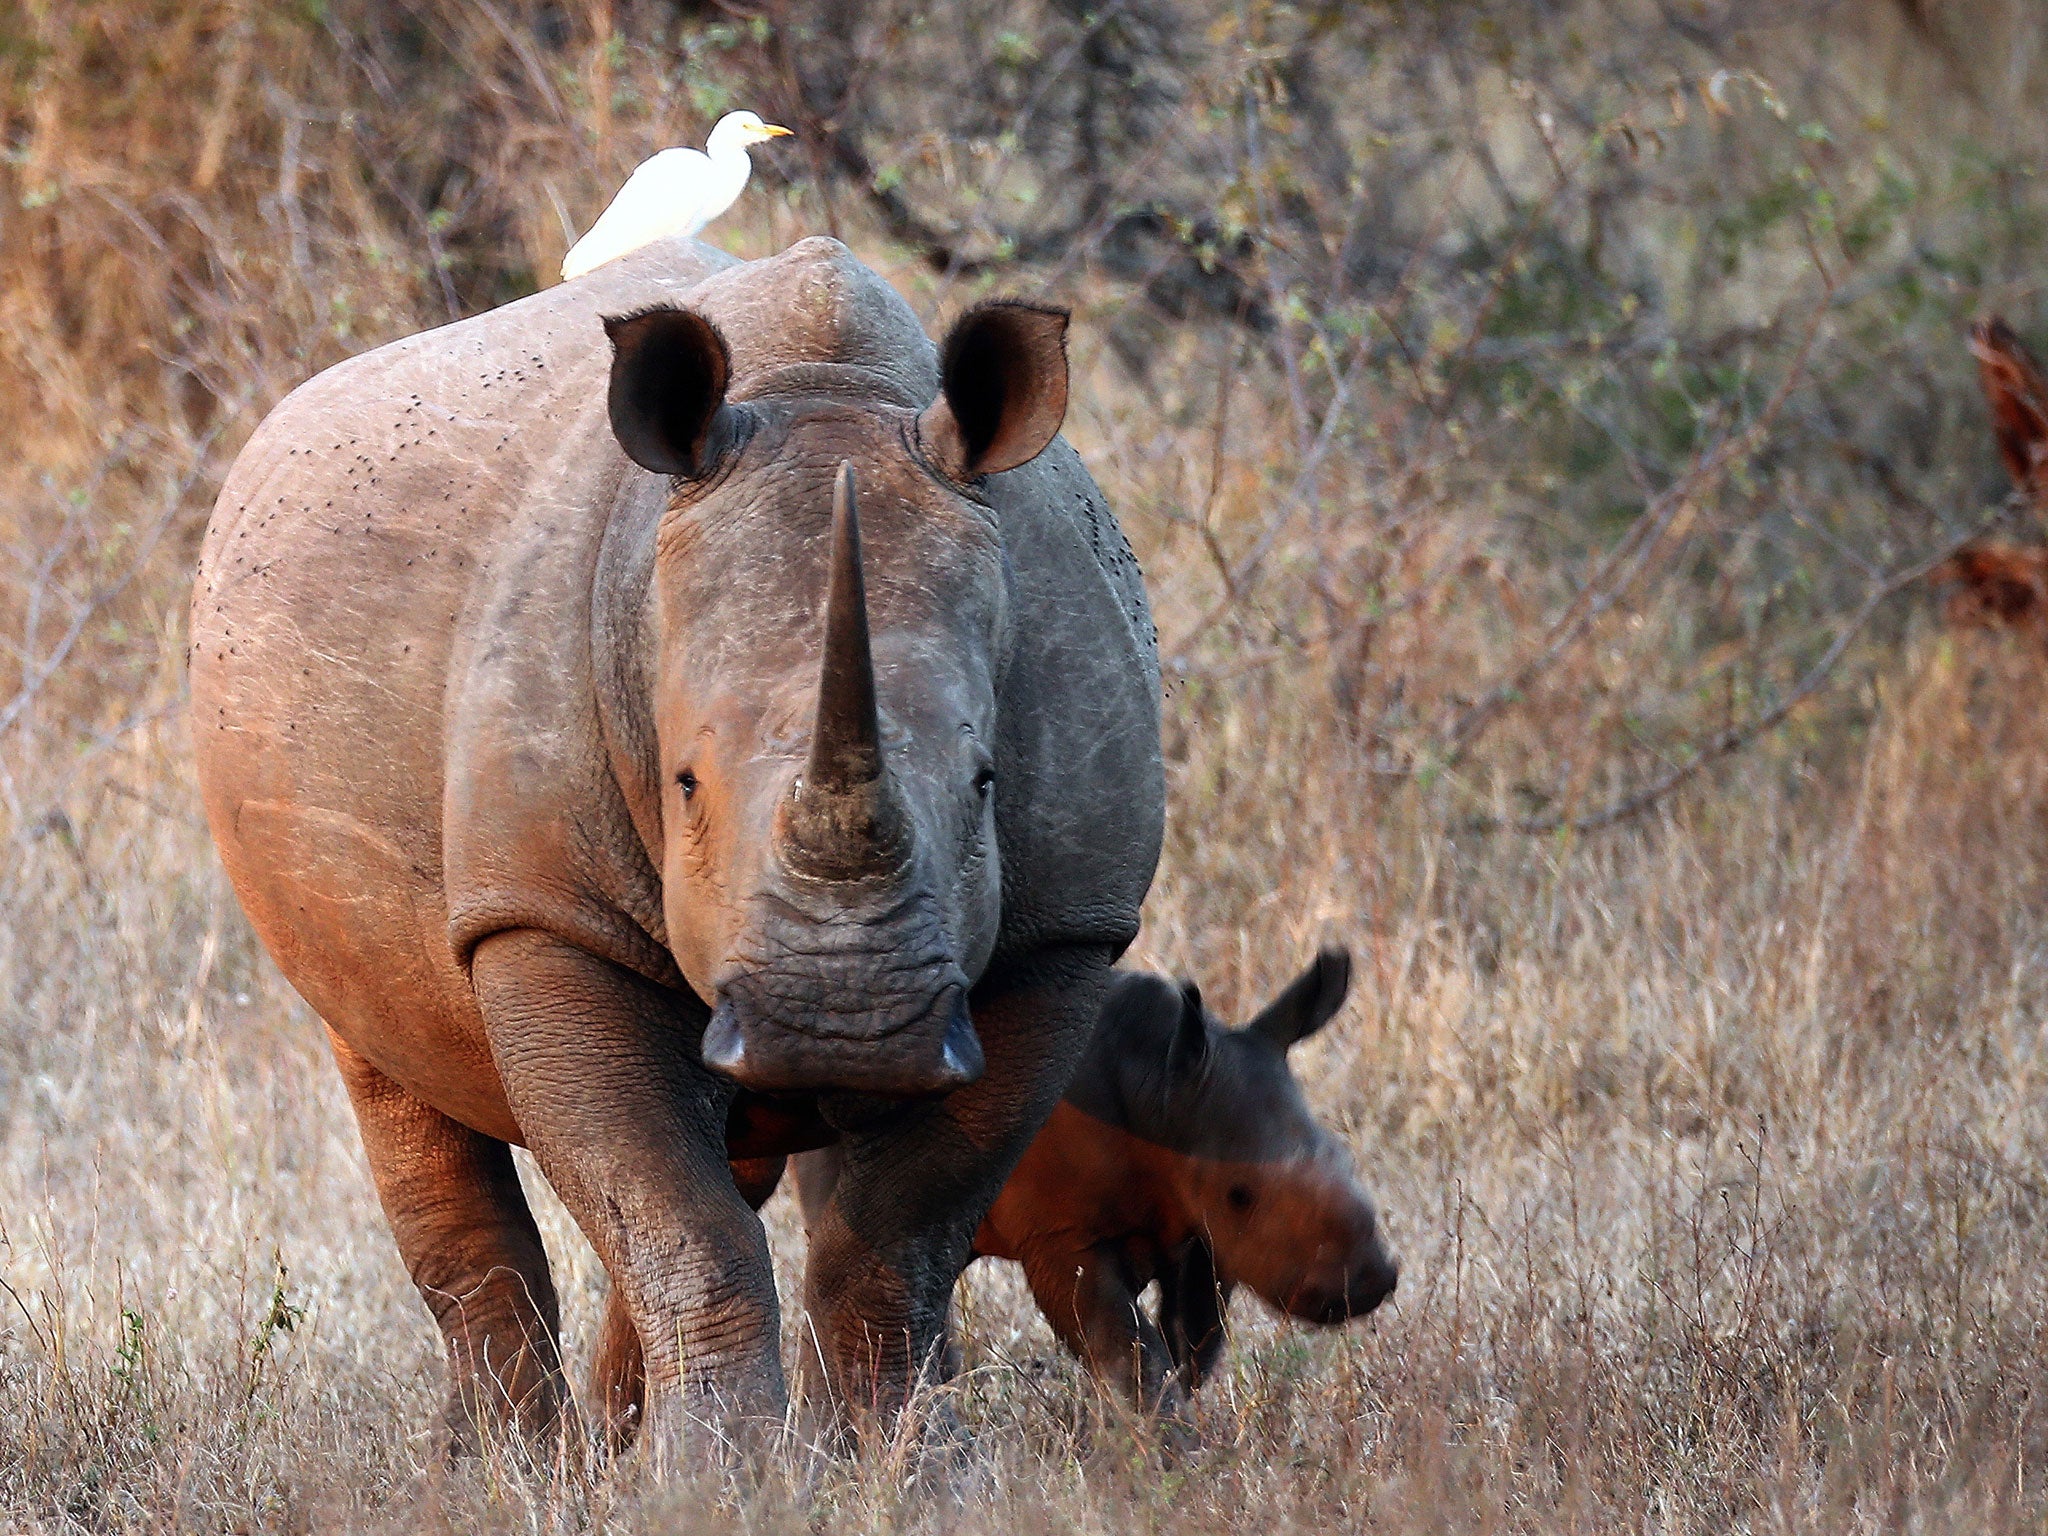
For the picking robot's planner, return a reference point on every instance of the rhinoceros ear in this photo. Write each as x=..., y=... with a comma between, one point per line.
x=1190, y=1044
x=1002, y=391
x=1310, y=1001
x=670, y=368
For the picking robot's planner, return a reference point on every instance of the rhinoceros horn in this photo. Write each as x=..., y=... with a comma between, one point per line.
x=845, y=820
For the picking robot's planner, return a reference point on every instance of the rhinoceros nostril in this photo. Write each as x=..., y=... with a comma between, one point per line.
x=725, y=1050
x=961, y=1060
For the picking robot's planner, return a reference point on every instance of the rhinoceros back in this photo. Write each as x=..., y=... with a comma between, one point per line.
x=371, y=517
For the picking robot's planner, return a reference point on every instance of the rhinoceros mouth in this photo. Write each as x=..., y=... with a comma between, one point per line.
x=1370, y=1280
x=910, y=1052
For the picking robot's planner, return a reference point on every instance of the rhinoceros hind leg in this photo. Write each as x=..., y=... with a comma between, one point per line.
x=469, y=1241
x=618, y=1374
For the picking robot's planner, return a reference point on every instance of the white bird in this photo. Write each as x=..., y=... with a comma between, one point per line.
x=677, y=192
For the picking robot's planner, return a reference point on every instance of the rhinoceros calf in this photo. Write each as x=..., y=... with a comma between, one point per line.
x=1183, y=1152
x=679, y=712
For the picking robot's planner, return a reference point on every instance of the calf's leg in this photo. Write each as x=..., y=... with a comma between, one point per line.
x=1194, y=1303
x=1092, y=1305
x=468, y=1239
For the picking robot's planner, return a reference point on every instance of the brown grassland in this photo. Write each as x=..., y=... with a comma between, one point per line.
x=1516, y=405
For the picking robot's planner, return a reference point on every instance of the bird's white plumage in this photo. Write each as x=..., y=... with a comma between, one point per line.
x=677, y=192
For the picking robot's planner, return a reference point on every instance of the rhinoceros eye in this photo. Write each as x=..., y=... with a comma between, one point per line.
x=686, y=781
x=985, y=781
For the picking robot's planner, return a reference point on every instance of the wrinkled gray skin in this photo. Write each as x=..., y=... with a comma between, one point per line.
x=525, y=758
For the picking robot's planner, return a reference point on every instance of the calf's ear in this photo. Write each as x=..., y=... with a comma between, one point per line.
x=1310, y=1001
x=670, y=369
x=1002, y=389
x=1190, y=1045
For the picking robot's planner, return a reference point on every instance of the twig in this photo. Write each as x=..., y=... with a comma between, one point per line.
x=27, y=1317
x=37, y=677
x=1733, y=739
x=1628, y=557
x=1237, y=580
x=1276, y=295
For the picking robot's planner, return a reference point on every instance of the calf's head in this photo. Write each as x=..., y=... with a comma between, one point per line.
x=1271, y=1193
x=826, y=633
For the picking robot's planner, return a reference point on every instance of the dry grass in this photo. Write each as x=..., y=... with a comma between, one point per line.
x=1716, y=1146
x=1714, y=1149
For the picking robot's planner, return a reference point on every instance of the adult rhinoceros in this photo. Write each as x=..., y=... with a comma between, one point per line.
x=615, y=779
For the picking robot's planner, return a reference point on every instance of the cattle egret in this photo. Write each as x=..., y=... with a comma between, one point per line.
x=677, y=192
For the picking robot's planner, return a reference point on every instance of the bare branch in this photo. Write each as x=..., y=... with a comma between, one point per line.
x=1630, y=555
x=1724, y=743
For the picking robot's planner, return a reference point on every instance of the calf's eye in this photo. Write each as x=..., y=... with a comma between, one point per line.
x=1241, y=1198
x=686, y=781
x=985, y=782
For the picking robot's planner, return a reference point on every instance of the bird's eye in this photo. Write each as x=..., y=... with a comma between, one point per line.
x=1241, y=1198
x=985, y=781
x=686, y=781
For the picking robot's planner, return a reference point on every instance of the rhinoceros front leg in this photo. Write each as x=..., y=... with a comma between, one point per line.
x=618, y=1372
x=1194, y=1310
x=897, y=1227
x=601, y=1069
x=469, y=1242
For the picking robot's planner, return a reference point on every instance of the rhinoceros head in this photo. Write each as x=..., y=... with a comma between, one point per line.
x=829, y=630
x=1271, y=1191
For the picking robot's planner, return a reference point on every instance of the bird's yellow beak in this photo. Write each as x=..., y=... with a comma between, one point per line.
x=776, y=131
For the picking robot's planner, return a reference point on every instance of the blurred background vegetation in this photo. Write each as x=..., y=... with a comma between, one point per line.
x=1579, y=363
x=1517, y=406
